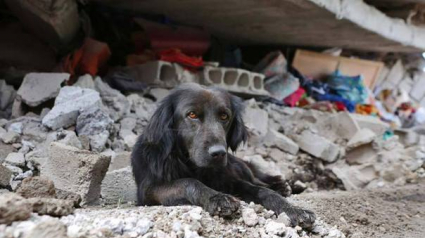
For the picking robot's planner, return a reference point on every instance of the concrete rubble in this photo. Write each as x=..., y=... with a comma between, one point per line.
x=78, y=153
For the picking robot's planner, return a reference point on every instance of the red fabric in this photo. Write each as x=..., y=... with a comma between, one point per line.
x=87, y=59
x=176, y=56
x=340, y=106
x=293, y=99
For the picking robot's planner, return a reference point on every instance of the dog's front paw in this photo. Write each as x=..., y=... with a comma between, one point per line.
x=300, y=217
x=222, y=205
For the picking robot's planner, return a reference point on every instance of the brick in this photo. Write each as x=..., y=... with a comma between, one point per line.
x=318, y=146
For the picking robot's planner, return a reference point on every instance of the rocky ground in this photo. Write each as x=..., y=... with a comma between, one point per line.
x=67, y=147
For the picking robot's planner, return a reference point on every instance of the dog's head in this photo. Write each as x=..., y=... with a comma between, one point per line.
x=199, y=123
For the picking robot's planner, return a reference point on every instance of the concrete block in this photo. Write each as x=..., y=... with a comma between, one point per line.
x=234, y=80
x=119, y=186
x=340, y=125
x=318, y=146
x=117, y=104
x=68, y=104
x=158, y=73
x=5, y=176
x=77, y=171
x=40, y=87
x=15, y=159
x=256, y=119
x=363, y=136
x=372, y=123
x=274, y=138
x=364, y=154
x=355, y=177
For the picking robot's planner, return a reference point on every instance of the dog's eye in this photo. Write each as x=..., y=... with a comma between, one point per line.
x=224, y=117
x=192, y=115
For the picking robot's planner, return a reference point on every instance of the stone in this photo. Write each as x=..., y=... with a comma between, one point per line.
x=249, y=216
x=256, y=119
x=318, y=146
x=85, y=81
x=363, y=136
x=68, y=105
x=117, y=104
x=3, y=122
x=48, y=229
x=17, y=127
x=128, y=123
x=5, y=176
x=159, y=93
x=120, y=160
x=37, y=187
x=95, y=124
x=40, y=87
x=355, y=177
x=267, y=167
x=7, y=95
x=372, y=123
x=76, y=171
x=275, y=228
x=364, y=154
x=69, y=138
x=274, y=138
x=51, y=206
x=10, y=137
x=340, y=125
x=44, y=112
x=129, y=138
x=16, y=159
x=13, y=208
x=141, y=107
x=69, y=196
x=119, y=186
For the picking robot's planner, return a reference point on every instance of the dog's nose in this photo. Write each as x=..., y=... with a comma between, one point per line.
x=217, y=151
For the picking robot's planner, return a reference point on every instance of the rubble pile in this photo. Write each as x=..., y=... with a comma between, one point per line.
x=77, y=153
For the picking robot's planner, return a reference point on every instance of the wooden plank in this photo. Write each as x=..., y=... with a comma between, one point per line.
x=317, y=66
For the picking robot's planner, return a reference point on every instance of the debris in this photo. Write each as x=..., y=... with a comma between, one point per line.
x=275, y=228
x=40, y=87
x=68, y=104
x=49, y=229
x=159, y=93
x=256, y=119
x=5, y=176
x=37, y=187
x=281, y=141
x=13, y=208
x=76, y=171
x=51, y=206
x=16, y=159
x=364, y=136
x=372, y=123
x=95, y=124
x=249, y=216
x=318, y=146
x=9, y=137
x=117, y=104
x=85, y=81
x=119, y=186
x=355, y=177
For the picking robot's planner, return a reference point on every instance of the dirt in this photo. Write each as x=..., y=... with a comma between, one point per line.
x=398, y=212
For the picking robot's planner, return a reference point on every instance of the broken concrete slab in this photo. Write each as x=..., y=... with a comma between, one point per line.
x=119, y=186
x=363, y=154
x=5, y=176
x=364, y=136
x=77, y=171
x=372, y=123
x=256, y=119
x=277, y=139
x=69, y=103
x=355, y=177
x=40, y=87
x=51, y=206
x=15, y=159
x=318, y=146
x=34, y=187
x=85, y=81
x=13, y=208
x=9, y=137
x=340, y=125
x=117, y=104
x=96, y=125
x=120, y=160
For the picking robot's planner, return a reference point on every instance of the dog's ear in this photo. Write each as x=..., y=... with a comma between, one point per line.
x=238, y=132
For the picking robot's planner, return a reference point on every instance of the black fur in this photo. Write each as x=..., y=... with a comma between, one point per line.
x=173, y=163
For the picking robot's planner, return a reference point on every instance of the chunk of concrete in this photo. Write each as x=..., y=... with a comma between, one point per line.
x=120, y=160
x=13, y=208
x=159, y=93
x=95, y=124
x=318, y=146
x=5, y=176
x=363, y=154
x=117, y=104
x=340, y=125
x=119, y=186
x=51, y=228
x=277, y=139
x=76, y=171
x=40, y=87
x=51, y=206
x=372, y=123
x=256, y=119
x=85, y=81
x=159, y=73
x=16, y=159
x=9, y=137
x=363, y=136
x=355, y=177
x=68, y=105
x=34, y=187
x=7, y=95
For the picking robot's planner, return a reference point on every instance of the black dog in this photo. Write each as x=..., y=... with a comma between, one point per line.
x=182, y=157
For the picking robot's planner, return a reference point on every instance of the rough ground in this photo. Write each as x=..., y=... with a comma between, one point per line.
x=398, y=212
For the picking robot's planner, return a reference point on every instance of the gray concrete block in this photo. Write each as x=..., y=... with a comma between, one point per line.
x=119, y=187
x=77, y=171
x=318, y=146
x=158, y=73
x=234, y=80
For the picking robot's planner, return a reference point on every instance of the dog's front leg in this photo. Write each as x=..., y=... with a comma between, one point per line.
x=274, y=201
x=193, y=192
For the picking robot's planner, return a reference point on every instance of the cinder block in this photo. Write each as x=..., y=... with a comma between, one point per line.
x=234, y=80
x=158, y=73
